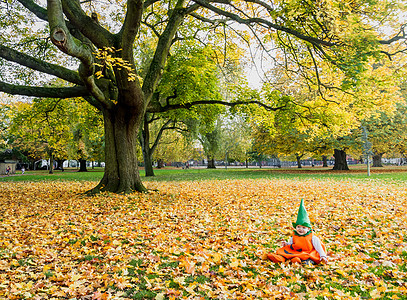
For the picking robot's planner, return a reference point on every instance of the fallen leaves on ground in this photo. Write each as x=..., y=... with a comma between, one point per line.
x=200, y=240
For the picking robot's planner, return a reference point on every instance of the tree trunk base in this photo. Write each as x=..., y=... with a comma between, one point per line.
x=117, y=187
x=377, y=161
x=211, y=164
x=340, y=160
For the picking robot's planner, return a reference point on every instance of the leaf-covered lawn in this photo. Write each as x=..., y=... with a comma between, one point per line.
x=200, y=240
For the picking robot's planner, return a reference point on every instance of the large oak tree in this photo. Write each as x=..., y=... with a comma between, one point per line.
x=104, y=40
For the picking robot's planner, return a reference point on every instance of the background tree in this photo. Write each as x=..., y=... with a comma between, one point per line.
x=236, y=139
x=211, y=139
x=175, y=146
x=86, y=125
x=41, y=128
x=387, y=132
x=191, y=76
x=4, y=123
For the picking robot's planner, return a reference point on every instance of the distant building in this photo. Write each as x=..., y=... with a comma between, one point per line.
x=7, y=163
x=9, y=159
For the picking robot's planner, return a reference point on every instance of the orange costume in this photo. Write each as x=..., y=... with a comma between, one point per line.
x=306, y=247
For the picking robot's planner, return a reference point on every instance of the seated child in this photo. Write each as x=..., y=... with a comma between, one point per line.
x=303, y=246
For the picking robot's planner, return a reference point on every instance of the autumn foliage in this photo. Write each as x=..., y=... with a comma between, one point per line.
x=200, y=240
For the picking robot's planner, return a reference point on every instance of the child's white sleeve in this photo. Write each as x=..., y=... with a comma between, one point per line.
x=290, y=241
x=317, y=245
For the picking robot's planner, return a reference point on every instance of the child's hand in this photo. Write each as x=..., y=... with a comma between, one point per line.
x=324, y=260
x=284, y=243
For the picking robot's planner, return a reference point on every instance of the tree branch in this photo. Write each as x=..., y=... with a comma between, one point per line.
x=39, y=11
x=39, y=65
x=264, y=4
x=130, y=28
x=49, y=92
x=148, y=3
x=42, y=14
x=160, y=56
x=86, y=25
x=160, y=133
x=401, y=35
x=62, y=38
x=207, y=20
x=169, y=107
x=263, y=22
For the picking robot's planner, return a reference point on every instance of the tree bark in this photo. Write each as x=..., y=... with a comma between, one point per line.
x=160, y=164
x=82, y=165
x=51, y=163
x=145, y=147
x=377, y=160
x=211, y=163
x=324, y=161
x=121, y=169
x=340, y=160
x=298, y=161
x=148, y=163
x=60, y=163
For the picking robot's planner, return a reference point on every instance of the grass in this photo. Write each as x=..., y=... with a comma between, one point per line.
x=387, y=173
x=43, y=175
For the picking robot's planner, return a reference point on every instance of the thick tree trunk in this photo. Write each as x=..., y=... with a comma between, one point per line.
x=324, y=161
x=121, y=169
x=211, y=163
x=82, y=165
x=340, y=160
x=377, y=160
x=298, y=161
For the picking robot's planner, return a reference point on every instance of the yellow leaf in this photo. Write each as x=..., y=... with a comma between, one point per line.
x=217, y=257
x=375, y=294
x=235, y=263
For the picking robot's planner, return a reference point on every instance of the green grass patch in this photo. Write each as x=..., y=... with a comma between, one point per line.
x=355, y=173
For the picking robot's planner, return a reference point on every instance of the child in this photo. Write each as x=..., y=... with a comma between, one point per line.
x=303, y=246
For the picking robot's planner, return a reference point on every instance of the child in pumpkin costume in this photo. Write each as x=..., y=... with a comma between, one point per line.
x=303, y=246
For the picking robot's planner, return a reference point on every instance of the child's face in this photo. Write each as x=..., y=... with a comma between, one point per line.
x=301, y=229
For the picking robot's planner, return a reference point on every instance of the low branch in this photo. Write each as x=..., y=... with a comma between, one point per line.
x=39, y=65
x=49, y=92
x=169, y=107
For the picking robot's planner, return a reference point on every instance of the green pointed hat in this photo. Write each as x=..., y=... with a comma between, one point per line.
x=302, y=217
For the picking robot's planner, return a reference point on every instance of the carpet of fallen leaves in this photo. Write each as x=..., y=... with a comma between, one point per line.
x=200, y=240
